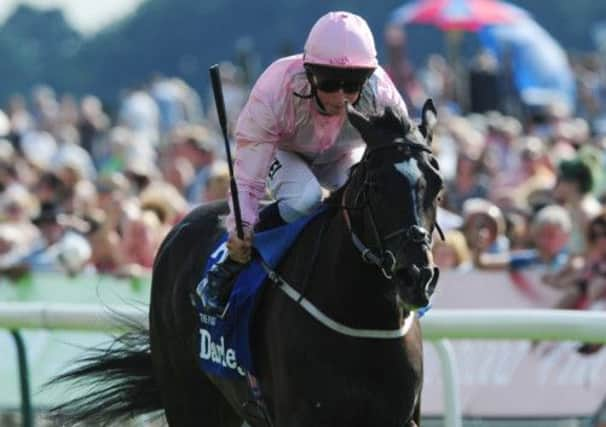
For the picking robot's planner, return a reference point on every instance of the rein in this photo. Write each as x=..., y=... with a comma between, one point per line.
x=324, y=319
x=367, y=254
x=385, y=260
x=330, y=323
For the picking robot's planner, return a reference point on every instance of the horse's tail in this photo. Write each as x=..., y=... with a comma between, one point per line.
x=117, y=381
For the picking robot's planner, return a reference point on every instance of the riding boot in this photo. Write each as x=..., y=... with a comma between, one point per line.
x=216, y=287
x=269, y=218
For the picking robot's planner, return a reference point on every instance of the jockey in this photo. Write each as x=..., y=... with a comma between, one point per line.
x=293, y=134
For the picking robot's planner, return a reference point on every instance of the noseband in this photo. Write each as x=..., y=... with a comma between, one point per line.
x=384, y=259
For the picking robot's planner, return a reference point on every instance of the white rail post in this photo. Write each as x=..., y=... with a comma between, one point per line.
x=450, y=380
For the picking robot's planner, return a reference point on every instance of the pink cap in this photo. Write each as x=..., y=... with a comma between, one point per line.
x=341, y=39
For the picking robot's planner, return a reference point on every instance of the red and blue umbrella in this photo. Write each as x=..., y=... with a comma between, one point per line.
x=457, y=15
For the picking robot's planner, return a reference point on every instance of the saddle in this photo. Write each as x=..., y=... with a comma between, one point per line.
x=224, y=346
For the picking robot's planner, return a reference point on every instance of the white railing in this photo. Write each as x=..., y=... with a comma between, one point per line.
x=438, y=327
x=552, y=325
x=75, y=317
x=535, y=324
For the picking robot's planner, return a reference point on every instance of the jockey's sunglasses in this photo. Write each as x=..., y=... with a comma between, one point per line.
x=331, y=86
x=329, y=79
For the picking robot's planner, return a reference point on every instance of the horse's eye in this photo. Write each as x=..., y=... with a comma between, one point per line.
x=435, y=189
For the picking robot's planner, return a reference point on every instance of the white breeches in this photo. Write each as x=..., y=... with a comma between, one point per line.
x=297, y=184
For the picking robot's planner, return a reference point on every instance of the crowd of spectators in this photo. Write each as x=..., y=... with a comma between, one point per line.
x=528, y=199
x=81, y=191
x=85, y=191
x=527, y=193
x=525, y=183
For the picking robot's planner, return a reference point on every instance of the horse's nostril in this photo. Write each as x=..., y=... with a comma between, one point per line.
x=426, y=275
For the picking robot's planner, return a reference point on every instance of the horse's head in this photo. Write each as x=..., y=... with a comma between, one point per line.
x=393, y=193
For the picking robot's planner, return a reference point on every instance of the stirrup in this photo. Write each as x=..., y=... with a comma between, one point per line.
x=216, y=287
x=206, y=309
x=222, y=315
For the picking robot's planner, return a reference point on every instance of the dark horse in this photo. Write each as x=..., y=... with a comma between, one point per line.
x=364, y=263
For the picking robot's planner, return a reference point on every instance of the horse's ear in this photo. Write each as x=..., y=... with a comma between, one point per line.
x=358, y=120
x=429, y=119
x=393, y=119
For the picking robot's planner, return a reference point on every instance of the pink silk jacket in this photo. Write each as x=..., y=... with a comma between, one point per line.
x=275, y=118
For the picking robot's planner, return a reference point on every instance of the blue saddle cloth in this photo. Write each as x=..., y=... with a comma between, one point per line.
x=224, y=343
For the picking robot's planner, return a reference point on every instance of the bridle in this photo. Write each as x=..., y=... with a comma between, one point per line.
x=384, y=259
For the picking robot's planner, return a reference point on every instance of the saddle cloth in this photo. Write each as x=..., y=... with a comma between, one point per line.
x=224, y=346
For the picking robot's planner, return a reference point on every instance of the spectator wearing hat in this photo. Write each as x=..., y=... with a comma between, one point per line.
x=217, y=183
x=140, y=171
x=573, y=191
x=484, y=227
x=550, y=234
x=535, y=172
x=73, y=163
x=38, y=149
x=199, y=145
x=17, y=207
x=51, y=230
x=13, y=249
x=62, y=246
x=452, y=253
x=178, y=171
x=165, y=201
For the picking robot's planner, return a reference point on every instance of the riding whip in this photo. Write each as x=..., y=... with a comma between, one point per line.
x=215, y=78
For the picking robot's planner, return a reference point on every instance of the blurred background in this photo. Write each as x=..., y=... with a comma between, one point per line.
x=108, y=136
